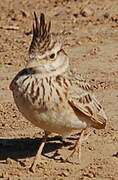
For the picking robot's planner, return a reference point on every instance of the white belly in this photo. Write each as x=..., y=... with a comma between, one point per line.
x=59, y=118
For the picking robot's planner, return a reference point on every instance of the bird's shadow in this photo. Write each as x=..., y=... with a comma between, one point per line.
x=27, y=147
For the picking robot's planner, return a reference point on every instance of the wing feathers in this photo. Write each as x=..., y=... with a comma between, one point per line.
x=82, y=98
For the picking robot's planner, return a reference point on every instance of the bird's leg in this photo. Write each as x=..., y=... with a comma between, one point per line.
x=38, y=154
x=78, y=143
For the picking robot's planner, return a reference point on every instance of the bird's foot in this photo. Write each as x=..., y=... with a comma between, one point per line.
x=34, y=164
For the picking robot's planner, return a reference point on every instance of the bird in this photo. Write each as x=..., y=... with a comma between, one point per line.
x=50, y=95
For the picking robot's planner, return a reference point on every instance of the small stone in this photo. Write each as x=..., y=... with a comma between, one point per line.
x=75, y=15
x=86, y=12
x=106, y=15
x=115, y=155
x=14, y=116
x=3, y=124
x=9, y=161
x=24, y=14
x=65, y=173
x=79, y=42
x=9, y=63
x=91, y=148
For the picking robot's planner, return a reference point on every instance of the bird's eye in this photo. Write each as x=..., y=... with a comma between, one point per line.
x=52, y=56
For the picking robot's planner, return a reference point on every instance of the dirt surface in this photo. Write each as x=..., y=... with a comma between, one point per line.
x=89, y=32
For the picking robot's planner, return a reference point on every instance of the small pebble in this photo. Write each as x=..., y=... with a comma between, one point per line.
x=24, y=14
x=65, y=173
x=9, y=161
x=115, y=155
x=86, y=12
x=75, y=15
x=106, y=15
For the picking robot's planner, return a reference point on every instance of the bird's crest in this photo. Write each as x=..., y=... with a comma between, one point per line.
x=41, y=35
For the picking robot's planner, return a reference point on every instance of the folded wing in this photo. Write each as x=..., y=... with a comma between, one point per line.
x=81, y=98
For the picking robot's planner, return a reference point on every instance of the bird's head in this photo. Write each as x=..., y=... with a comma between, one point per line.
x=44, y=48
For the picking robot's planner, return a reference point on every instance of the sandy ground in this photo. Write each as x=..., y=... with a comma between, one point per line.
x=89, y=32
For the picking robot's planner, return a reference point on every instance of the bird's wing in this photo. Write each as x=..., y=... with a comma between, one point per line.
x=82, y=99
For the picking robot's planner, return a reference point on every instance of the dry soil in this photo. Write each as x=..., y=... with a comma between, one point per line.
x=88, y=30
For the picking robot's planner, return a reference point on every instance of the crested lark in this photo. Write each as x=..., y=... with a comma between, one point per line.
x=49, y=94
